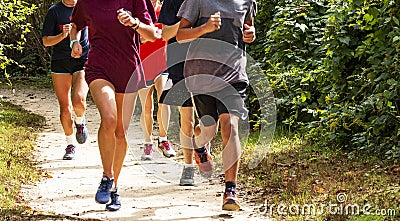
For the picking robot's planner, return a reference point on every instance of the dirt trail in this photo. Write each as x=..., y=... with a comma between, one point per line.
x=149, y=190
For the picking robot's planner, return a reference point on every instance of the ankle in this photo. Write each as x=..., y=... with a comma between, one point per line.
x=108, y=175
x=79, y=120
x=230, y=185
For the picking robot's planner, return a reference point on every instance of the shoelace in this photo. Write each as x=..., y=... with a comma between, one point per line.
x=203, y=156
x=166, y=145
x=148, y=150
x=230, y=192
x=104, y=185
x=70, y=149
x=114, y=197
x=79, y=128
x=187, y=173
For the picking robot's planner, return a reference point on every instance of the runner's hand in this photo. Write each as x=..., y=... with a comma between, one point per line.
x=125, y=17
x=66, y=29
x=213, y=23
x=249, y=33
x=76, y=50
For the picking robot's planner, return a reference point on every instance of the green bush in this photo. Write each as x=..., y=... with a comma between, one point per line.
x=22, y=53
x=14, y=29
x=333, y=66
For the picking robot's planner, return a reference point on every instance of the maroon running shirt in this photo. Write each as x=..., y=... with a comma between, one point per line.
x=114, y=48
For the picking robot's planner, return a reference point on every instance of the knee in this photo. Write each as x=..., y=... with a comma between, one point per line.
x=209, y=132
x=109, y=122
x=120, y=134
x=187, y=127
x=78, y=99
x=229, y=129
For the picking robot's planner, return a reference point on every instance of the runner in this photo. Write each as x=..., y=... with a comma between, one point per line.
x=153, y=57
x=215, y=74
x=67, y=73
x=114, y=75
x=178, y=95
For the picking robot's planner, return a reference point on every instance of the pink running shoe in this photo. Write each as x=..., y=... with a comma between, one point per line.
x=166, y=148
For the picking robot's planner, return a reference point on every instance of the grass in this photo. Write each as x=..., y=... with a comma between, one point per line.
x=296, y=173
x=18, y=130
x=18, y=133
x=41, y=82
x=17, y=165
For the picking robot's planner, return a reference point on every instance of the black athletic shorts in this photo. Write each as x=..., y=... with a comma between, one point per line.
x=228, y=100
x=177, y=95
x=68, y=65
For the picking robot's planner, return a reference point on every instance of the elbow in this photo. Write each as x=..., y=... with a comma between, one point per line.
x=164, y=37
x=179, y=38
x=152, y=38
x=45, y=43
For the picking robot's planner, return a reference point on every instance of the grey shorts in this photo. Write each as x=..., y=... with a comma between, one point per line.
x=228, y=100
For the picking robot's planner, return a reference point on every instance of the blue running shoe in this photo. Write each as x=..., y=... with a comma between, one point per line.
x=104, y=192
x=69, y=152
x=81, y=132
x=115, y=204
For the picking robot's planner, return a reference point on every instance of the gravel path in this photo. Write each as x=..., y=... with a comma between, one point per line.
x=149, y=190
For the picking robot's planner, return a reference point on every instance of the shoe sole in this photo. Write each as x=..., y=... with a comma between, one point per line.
x=231, y=207
x=186, y=184
x=112, y=209
x=68, y=158
x=206, y=174
x=165, y=155
x=102, y=202
x=147, y=158
x=81, y=141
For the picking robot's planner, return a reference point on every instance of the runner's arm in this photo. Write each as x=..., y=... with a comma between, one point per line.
x=75, y=35
x=186, y=33
x=169, y=31
x=53, y=40
x=147, y=31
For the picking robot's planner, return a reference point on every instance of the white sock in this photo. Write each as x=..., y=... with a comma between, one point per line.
x=161, y=139
x=70, y=139
x=188, y=165
x=150, y=142
x=79, y=120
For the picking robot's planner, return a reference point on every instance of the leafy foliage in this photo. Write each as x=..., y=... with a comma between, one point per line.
x=333, y=66
x=14, y=29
